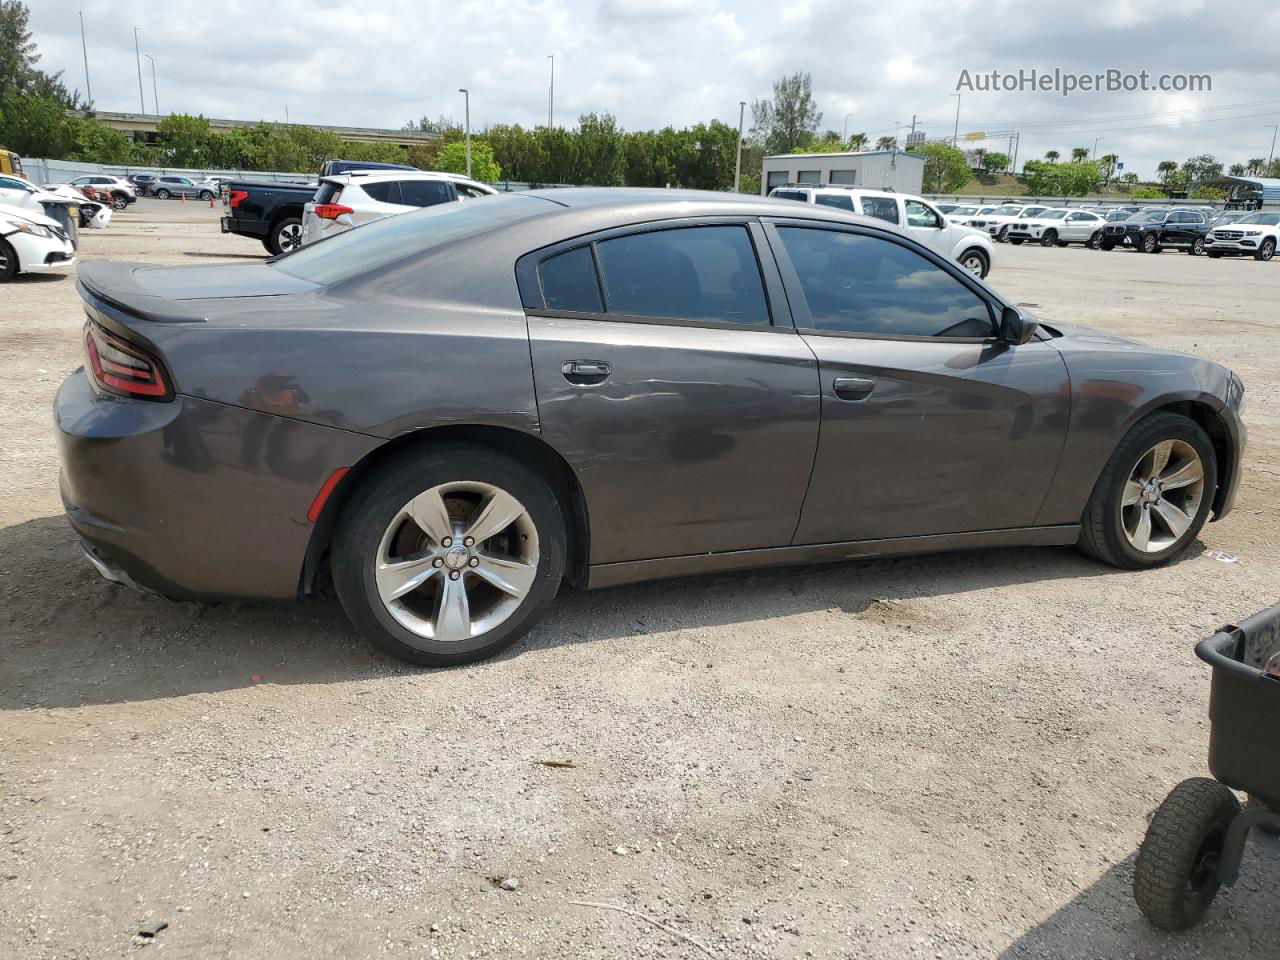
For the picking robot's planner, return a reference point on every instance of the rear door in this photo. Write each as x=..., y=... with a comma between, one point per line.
x=930, y=425
x=670, y=376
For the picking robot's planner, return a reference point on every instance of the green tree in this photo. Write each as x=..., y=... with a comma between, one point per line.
x=1165, y=169
x=185, y=140
x=36, y=126
x=1203, y=167
x=1129, y=177
x=18, y=55
x=790, y=119
x=945, y=168
x=858, y=142
x=600, y=151
x=1255, y=166
x=1061, y=179
x=1079, y=154
x=1146, y=192
x=1052, y=156
x=98, y=143
x=1108, y=163
x=995, y=162
x=1236, y=170
x=1208, y=193
x=887, y=143
x=453, y=159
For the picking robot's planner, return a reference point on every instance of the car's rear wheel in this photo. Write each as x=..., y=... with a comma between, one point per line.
x=448, y=556
x=1095, y=242
x=1154, y=494
x=1003, y=234
x=285, y=236
x=162, y=194
x=8, y=262
x=1197, y=247
x=1266, y=251
x=1049, y=238
x=119, y=201
x=206, y=194
x=1150, y=244
x=975, y=261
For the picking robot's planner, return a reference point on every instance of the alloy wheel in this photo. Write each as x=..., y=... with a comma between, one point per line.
x=1197, y=247
x=290, y=237
x=1162, y=496
x=973, y=263
x=457, y=561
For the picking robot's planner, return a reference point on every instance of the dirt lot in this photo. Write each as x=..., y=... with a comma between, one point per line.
x=942, y=757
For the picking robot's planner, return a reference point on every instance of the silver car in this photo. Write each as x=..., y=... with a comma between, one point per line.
x=166, y=187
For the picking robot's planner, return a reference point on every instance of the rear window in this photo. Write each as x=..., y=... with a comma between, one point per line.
x=328, y=193
x=375, y=245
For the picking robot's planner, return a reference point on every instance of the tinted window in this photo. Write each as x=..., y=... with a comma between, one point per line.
x=696, y=273
x=790, y=195
x=469, y=193
x=831, y=200
x=328, y=193
x=855, y=283
x=569, y=282
x=386, y=192
x=886, y=208
x=424, y=193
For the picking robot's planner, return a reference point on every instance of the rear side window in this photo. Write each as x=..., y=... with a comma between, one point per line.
x=387, y=191
x=886, y=208
x=840, y=203
x=854, y=283
x=424, y=193
x=569, y=282
x=328, y=193
x=790, y=195
x=693, y=273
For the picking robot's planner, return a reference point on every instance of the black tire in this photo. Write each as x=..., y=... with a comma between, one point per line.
x=1095, y=242
x=1197, y=247
x=162, y=194
x=1016, y=241
x=285, y=236
x=1106, y=245
x=1266, y=251
x=119, y=201
x=1002, y=235
x=8, y=262
x=1175, y=877
x=1149, y=244
x=371, y=509
x=1049, y=238
x=206, y=194
x=975, y=261
x=1101, y=528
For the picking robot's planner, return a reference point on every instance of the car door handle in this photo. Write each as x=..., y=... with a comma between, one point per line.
x=853, y=388
x=586, y=371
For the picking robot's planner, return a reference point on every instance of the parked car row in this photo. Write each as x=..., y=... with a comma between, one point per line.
x=285, y=216
x=1198, y=231
x=920, y=218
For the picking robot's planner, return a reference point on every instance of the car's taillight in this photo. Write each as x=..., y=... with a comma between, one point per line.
x=123, y=368
x=331, y=211
x=237, y=196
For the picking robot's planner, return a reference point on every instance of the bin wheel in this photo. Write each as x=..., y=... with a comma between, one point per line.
x=1176, y=874
x=1253, y=804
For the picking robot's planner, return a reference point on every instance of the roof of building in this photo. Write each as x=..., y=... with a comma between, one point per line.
x=847, y=153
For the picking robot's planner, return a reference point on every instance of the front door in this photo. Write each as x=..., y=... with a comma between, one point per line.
x=927, y=226
x=676, y=388
x=930, y=424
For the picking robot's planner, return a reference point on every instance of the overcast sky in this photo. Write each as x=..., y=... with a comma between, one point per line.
x=657, y=62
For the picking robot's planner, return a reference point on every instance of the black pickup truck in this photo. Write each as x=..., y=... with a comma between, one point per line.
x=272, y=212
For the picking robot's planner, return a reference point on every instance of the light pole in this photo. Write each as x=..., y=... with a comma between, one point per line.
x=1094, y=153
x=551, y=94
x=155, y=96
x=845, y=136
x=737, y=167
x=955, y=137
x=1270, y=156
x=138, y=56
x=85, y=49
x=466, y=97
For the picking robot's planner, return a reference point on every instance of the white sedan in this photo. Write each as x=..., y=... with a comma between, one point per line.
x=1059, y=227
x=30, y=242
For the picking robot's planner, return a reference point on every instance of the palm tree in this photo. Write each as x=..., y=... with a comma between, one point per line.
x=1236, y=170
x=858, y=142
x=887, y=143
x=1079, y=154
x=1108, y=162
x=1052, y=156
x=1256, y=166
x=1166, y=168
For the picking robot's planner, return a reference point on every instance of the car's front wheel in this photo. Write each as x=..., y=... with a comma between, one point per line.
x=1095, y=241
x=975, y=261
x=1049, y=238
x=1154, y=494
x=448, y=556
x=1266, y=251
x=162, y=194
x=1150, y=244
x=1197, y=247
x=119, y=201
x=8, y=262
x=206, y=194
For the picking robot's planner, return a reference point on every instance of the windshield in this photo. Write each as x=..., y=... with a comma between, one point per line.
x=1031, y=212
x=964, y=211
x=1266, y=219
x=1155, y=216
x=1008, y=210
x=1053, y=215
x=377, y=244
x=986, y=209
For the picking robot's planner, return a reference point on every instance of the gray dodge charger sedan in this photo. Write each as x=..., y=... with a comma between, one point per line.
x=456, y=410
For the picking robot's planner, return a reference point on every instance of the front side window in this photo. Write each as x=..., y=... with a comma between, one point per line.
x=920, y=215
x=854, y=283
x=692, y=273
x=834, y=200
x=884, y=208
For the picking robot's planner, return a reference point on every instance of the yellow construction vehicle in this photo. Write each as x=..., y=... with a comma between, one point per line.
x=11, y=163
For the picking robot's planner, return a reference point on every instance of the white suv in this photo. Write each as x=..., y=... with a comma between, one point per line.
x=917, y=217
x=350, y=199
x=1256, y=235
x=119, y=191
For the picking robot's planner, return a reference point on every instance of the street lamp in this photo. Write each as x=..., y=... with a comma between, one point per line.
x=1094, y=154
x=955, y=137
x=737, y=167
x=551, y=94
x=846, y=127
x=154, y=94
x=467, y=100
x=138, y=56
x=1270, y=156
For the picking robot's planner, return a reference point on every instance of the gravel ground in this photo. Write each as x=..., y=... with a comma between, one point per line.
x=939, y=757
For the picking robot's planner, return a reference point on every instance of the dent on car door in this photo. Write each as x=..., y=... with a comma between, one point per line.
x=930, y=424
x=675, y=386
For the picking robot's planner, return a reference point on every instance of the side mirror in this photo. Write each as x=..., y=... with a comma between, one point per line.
x=1015, y=328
